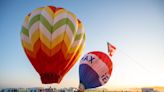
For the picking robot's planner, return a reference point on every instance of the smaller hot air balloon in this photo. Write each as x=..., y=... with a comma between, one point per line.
x=95, y=70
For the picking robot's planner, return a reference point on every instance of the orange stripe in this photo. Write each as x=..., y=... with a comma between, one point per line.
x=28, y=52
x=74, y=59
x=36, y=47
x=56, y=49
x=46, y=50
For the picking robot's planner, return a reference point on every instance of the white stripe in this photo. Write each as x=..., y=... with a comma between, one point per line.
x=97, y=65
x=80, y=30
x=64, y=28
x=105, y=80
x=25, y=38
x=34, y=13
x=33, y=28
x=73, y=20
x=59, y=17
x=76, y=43
x=47, y=16
x=58, y=32
x=81, y=42
x=44, y=30
x=69, y=33
x=25, y=24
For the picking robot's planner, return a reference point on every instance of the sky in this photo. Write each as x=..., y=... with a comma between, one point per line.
x=135, y=27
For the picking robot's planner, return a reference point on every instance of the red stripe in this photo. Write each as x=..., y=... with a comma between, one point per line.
x=58, y=9
x=105, y=58
x=53, y=8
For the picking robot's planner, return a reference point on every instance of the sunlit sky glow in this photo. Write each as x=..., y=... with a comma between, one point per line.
x=135, y=27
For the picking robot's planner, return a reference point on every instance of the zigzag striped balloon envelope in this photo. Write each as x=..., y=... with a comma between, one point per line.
x=53, y=39
x=95, y=70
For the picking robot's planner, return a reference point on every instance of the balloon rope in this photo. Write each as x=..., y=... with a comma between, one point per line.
x=134, y=60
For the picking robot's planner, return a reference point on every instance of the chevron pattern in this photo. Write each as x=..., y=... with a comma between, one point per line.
x=53, y=39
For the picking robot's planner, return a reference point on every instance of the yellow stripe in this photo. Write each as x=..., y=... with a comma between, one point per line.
x=45, y=40
x=80, y=26
x=74, y=49
x=27, y=18
x=68, y=44
x=77, y=45
x=38, y=9
x=35, y=36
x=57, y=40
x=57, y=13
x=78, y=49
x=67, y=40
x=26, y=45
x=74, y=17
x=49, y=11
x=41, y=8
x=77, y=53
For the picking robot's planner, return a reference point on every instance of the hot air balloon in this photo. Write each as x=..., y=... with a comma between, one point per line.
x=95, y=70
x=53, y=39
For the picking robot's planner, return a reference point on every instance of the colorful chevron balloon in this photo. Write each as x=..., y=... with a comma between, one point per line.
x=53, y=39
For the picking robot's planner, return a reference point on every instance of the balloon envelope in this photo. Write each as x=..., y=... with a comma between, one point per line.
x=53, y=39
x=94, y=70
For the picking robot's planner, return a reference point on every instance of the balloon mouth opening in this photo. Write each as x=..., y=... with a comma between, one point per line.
x=49, y=78
x=81, y=87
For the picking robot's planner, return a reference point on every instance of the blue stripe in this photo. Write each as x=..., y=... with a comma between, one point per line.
x=88, y=77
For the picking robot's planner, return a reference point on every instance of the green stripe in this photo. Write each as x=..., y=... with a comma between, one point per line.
x=84, y=37
x=71, y=25
x=33, y=20
x=45, y=22
x=59, y=24
x=25, y=31
x=63, y=22
x=42, y=19
x=79, y=36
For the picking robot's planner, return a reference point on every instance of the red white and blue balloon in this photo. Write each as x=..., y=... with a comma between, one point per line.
x=95, y=70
